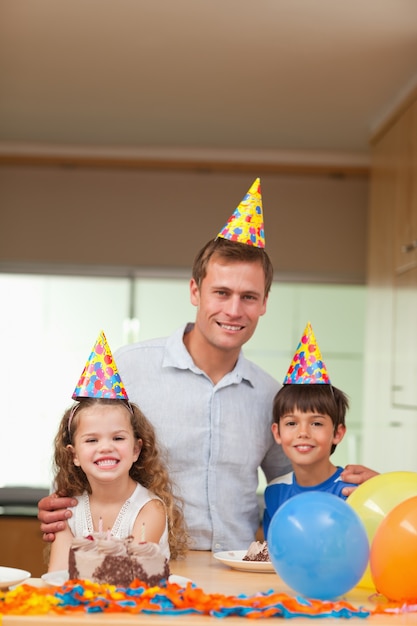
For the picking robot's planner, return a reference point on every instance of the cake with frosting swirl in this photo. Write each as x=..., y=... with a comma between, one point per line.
x=106, y=559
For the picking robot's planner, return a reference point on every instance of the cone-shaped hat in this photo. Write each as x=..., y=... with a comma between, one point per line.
x=100, y=377
x=307, y=366
x=246, y=224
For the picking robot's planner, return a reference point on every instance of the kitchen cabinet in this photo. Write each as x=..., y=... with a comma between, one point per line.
x=404, y=371
x=390, y=383
x=393, y=446
x=405, y=206
x=21, y=544
x=404, y=358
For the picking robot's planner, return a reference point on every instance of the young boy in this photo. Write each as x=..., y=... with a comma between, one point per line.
x=309, y=422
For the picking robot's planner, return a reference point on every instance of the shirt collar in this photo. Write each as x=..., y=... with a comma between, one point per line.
x=177, y=355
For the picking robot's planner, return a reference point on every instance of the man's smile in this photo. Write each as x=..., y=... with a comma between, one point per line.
x=230, y=326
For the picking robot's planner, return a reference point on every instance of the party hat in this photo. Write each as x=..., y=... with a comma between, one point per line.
x=307, y=366
x=100, y=377
x=246, y=224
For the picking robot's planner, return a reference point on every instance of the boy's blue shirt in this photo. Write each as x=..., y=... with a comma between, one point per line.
x=286, y=487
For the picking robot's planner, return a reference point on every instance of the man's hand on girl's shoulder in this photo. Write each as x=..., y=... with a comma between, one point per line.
x=53, y=513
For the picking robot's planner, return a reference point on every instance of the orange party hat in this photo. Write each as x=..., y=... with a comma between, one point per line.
x=307, y=366
x=100, y=377
x=246, y=224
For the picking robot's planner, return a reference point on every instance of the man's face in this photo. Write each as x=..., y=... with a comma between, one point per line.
x=229, y=302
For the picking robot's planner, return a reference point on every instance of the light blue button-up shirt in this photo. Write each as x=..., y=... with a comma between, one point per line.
x=216, y=435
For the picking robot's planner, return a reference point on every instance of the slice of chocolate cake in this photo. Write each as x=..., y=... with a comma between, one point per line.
x=258, y=551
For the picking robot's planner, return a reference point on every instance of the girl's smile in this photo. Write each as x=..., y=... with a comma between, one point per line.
x=106, y=462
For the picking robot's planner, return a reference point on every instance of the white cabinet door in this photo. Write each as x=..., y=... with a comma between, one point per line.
x=404, y=371
x=392, y=447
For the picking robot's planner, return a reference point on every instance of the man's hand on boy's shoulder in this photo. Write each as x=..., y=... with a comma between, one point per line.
x=356, y=474
x=53, y=513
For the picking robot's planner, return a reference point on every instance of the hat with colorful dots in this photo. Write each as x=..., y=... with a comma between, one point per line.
x=246, y=224
x=307, y=366
x=100, y=377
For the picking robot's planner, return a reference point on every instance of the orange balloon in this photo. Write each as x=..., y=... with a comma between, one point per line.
x=374, y=499
x=393, y=557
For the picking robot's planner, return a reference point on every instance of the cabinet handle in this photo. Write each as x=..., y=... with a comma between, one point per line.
x=409, y=247
x=395, y=424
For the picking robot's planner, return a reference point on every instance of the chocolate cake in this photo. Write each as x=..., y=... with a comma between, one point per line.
x=258, y=551
x=119, y=562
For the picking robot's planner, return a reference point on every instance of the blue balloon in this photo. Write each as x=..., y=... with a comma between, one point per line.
x=318, y=545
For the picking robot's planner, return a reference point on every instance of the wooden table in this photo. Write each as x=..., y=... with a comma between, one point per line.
x=213, y=577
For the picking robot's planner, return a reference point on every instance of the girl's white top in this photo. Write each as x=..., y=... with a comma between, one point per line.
x=81, y=523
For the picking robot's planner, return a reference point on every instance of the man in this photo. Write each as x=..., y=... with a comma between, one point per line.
x=210, y=406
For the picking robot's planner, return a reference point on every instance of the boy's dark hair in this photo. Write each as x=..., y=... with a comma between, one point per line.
x=325, y=399
x=232, y=251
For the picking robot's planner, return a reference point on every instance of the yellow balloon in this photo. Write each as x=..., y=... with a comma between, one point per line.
x=374, y=499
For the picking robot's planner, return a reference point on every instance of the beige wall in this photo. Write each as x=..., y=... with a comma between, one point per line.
x=315, y=225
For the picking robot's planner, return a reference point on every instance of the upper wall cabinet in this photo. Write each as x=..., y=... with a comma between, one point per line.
x=404, y=358
x=391, y=335
x=390, y=384
x=405, y=210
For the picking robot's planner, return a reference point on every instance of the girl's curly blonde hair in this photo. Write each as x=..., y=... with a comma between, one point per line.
x=149, y=470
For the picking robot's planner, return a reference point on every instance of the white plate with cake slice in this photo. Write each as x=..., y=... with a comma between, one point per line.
x=234, y=559
x=58, y=578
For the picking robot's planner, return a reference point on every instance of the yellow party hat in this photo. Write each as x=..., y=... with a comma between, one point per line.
x=307, y=366
x=100, y=377
x=246, y=224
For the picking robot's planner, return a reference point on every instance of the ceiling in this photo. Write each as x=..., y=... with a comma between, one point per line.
x=254, y=76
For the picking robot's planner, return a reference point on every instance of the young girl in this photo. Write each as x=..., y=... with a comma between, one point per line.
x=106, y=455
